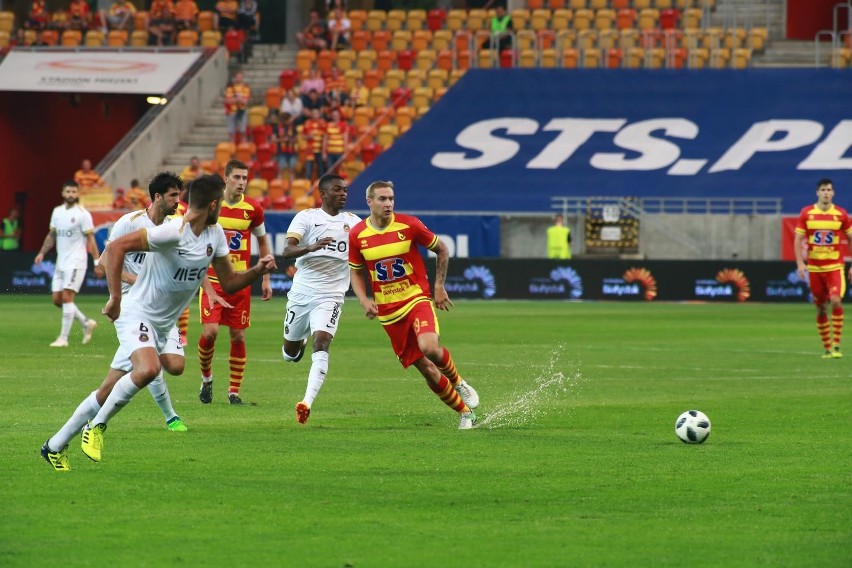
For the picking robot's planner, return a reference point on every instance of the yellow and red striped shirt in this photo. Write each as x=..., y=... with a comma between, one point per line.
x=238, y=219
x=336, y=137
x=397, y=272
x=823, y=232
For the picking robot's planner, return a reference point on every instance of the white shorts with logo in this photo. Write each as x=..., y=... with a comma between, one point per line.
x=303, y=318
x=135, y=333
x=68, y=279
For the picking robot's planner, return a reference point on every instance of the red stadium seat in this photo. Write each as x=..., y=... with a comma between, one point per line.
x=287, y=79
x=435, y=19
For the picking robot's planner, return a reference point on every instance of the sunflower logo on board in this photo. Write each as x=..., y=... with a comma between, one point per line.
x=643, y=277
x=736, y=277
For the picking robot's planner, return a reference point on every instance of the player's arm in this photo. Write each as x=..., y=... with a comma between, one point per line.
x=113, y=264
x=359, y=287
x=92, y=245
x=48, y=243
x=232, y=281
x=442, y=262
x=212, y=296
x=293, y=250
x=265, y=250
x=798, y=240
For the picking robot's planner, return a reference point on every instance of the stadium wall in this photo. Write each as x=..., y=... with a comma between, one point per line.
x=145, y=149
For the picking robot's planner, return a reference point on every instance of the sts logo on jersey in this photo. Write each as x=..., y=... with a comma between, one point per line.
x=390, y=269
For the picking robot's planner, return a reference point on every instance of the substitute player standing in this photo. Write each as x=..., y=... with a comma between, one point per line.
x=319, y=240
x=822, y=223
x=386, y=243
x=73, y=232
x=241, y=217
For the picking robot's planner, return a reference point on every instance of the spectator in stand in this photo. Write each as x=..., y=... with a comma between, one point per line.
x=335, y=86
x=120, y=202
x=193, y=170
x=120, y=15
x=227, y=10
x=314, y=101
x=335, y=142
x=314, y=132
x=161, y=23
x=314, y=34
x=78, y=15
x=59, y=19
x=37, y=17
x=137, y=198
x=247, y=18
x=86, y=177
x=359, y=96
x=291, y=106
x=186, y=15
x=284, y=138
x=331, y=5
x=237, y=96
x=313, y=81
x=339, y=29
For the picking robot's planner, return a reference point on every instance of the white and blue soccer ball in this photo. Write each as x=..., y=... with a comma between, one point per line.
x=692, y=427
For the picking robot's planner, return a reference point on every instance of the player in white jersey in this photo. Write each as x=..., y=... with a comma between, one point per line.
x=164, y=190
x=318, y=239
x=182, y=248
x=73, y=232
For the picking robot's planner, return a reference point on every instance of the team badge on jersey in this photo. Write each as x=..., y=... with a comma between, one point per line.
x=345, y=228
x=143, y=337
x=400, y=235
x=209, y=250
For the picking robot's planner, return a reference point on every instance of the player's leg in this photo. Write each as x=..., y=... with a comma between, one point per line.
x=237, y=318
x=837, y=289
x=428, y=332
x=57, y=288
x=210, y=315
x=173, y=361
x=297, y=328
x=54, y=451
x=144, y=350
x=69, y=297
x=441, y=386
x=819, y=290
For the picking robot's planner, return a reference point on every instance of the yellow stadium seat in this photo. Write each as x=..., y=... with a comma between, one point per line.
x=187, y=38
x=477, y=19
x=387, y=135
x=351, y=76
x=561, y=19
x=305, y=59
x=437, y=78
x=415, y=79
x=548, y=58
x=425, y=59
x=7, y=21
x=456, y=20
x=540, y=19
x=604, y=19
x=366, y=59
x=379, y=97
x=224, y=151
x=405, y=117
x=358, y=18
x=583, y=19
x=520, y=18
x=257, y=115
x=345, y=59
x=94, y=38
x=394, y=78
x=442, y=39
x=422, y=97
x=206, y=21
x=71, y=38
x=376, y=20
x=245, y=151
x=211, y=38
x=401, y=40
x=415, y=19
x=138, y=38
x=421, y=39
x=455, y=75
x=742, y=57
x=395, y=20
x=256, y=188
x=527, y=58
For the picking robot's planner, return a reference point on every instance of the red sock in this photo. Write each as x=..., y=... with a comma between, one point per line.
x=237, y=362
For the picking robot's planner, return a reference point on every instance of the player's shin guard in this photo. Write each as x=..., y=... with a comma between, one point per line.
x=448, y=367
x=205, y=355
x=237, y=363
x=824, y=329
x=448, y=394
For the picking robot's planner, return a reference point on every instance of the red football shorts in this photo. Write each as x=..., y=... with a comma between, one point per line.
x=236, y=317
x=824, y=285
x=403, y=333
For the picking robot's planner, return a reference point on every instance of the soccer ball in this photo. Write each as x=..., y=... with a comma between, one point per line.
x=692, y=427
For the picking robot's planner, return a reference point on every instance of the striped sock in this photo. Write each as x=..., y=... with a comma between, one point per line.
x=448, y=394
x=205, y=356
x=448, y=368
x=824, y=329
x=837, y=324
x=237, y=362
x=183, y=323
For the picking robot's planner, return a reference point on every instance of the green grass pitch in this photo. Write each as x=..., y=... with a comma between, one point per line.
x=576, y=462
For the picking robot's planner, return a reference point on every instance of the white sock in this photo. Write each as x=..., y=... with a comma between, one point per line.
x=79, y=316
x=160, y=391
x=319, y=367
x=121, y=394
x=85, y=412
x=67, y=319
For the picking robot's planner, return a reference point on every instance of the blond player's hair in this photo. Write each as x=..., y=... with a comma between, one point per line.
x=371, y=189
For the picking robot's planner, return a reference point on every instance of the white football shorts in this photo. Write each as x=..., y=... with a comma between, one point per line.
x=302, y=320
x=68, y=279
x=135, y=333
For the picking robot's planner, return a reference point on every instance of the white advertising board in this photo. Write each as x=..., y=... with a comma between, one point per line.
x=94, y=71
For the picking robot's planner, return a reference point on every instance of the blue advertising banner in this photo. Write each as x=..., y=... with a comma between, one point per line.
x=464, y=235
x=508, y=140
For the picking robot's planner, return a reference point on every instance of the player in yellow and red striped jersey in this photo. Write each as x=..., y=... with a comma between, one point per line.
x=821, y=224
x=241, y=217
x=387, y=245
